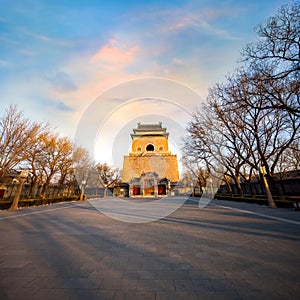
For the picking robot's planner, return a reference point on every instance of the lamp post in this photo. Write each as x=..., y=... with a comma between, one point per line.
x=13, y=186
x=192, y=187
x=83, y=183
x=22, y=177
x=211, y=188
x=105, y=190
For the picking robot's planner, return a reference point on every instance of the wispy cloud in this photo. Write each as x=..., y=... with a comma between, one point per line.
x=5, y=64
x=62, y=82
x=48, y=39
x=187, y=21
x=201, y=22
x=26, y=52
x=113, y=53
x=186, y=18
x=56, y=105
x=62, y=106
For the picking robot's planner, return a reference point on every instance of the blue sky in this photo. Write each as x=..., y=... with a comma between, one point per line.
x=56, y=57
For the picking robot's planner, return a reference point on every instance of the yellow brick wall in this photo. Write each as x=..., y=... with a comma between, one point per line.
x=163, y=165
x=156, y=141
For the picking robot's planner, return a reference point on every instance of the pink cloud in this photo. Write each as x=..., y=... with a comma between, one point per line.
x=114, y=54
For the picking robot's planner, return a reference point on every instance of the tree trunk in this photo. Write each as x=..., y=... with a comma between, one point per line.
x=268, y=192
x=252, y=189
x=239, y=187
x=15, y=203
x=33, y=189
x=82, y=197
x=276, y=187
x=44, y=188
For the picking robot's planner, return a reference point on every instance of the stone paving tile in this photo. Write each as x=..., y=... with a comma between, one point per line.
x=178, y=295
x=162, y=285
x=106, y=273
x=162, y=251
x=104, y=295
x=15, y=292
x=255, y=294
x=71, y=294
x=155, y=285
x=67, y=283
x=50, y=294
x=202, y=285
x=172, y=274
x=222, y=285
x=46, y=282
x=135, y=295
x=123, y=284
x=215, y=295
x=18, y=263
x=275, y=293
x=125, y=265
x=197, y=274
x=155, y=266
x=25, y=281
x=91, y=295
x=139, y=274
x=180, y=266
x=82, y=283
x=147, y=285
x=183, y=285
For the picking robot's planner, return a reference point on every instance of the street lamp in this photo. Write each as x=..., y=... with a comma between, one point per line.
x=169, y=187
x=212, y=192
x=83, y=183
x=193, y=190
x=13, y=186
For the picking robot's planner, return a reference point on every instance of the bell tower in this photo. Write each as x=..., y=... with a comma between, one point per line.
x=149, y=138
x=150, y=154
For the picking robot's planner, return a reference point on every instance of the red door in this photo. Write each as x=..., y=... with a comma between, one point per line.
x=136, y=190
x=161, y=189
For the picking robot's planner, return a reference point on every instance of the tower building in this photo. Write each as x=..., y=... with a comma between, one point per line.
x=150, y=168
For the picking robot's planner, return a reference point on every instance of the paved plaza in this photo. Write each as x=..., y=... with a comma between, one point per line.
x=223, y=251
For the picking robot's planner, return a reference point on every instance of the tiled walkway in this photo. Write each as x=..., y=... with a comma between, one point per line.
x=73, y=251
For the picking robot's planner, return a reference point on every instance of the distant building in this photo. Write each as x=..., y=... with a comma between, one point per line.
x=8, y=182
x=150, y=169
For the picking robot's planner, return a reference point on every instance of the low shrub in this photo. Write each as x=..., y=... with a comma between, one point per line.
x=260, y=201
x=5, y=204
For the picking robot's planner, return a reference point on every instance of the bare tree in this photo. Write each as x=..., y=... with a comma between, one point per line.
x=276, y=56
x=108, y=176
x=55, y=157
x=290, y=159
x=82, y=164
x=265, y=133
x=16, y=134
x=251, y=122
x=49, y=158
x=84, y=169
x=65, y=162
x=34, y=155
x=209, y=141
x=195, y=174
